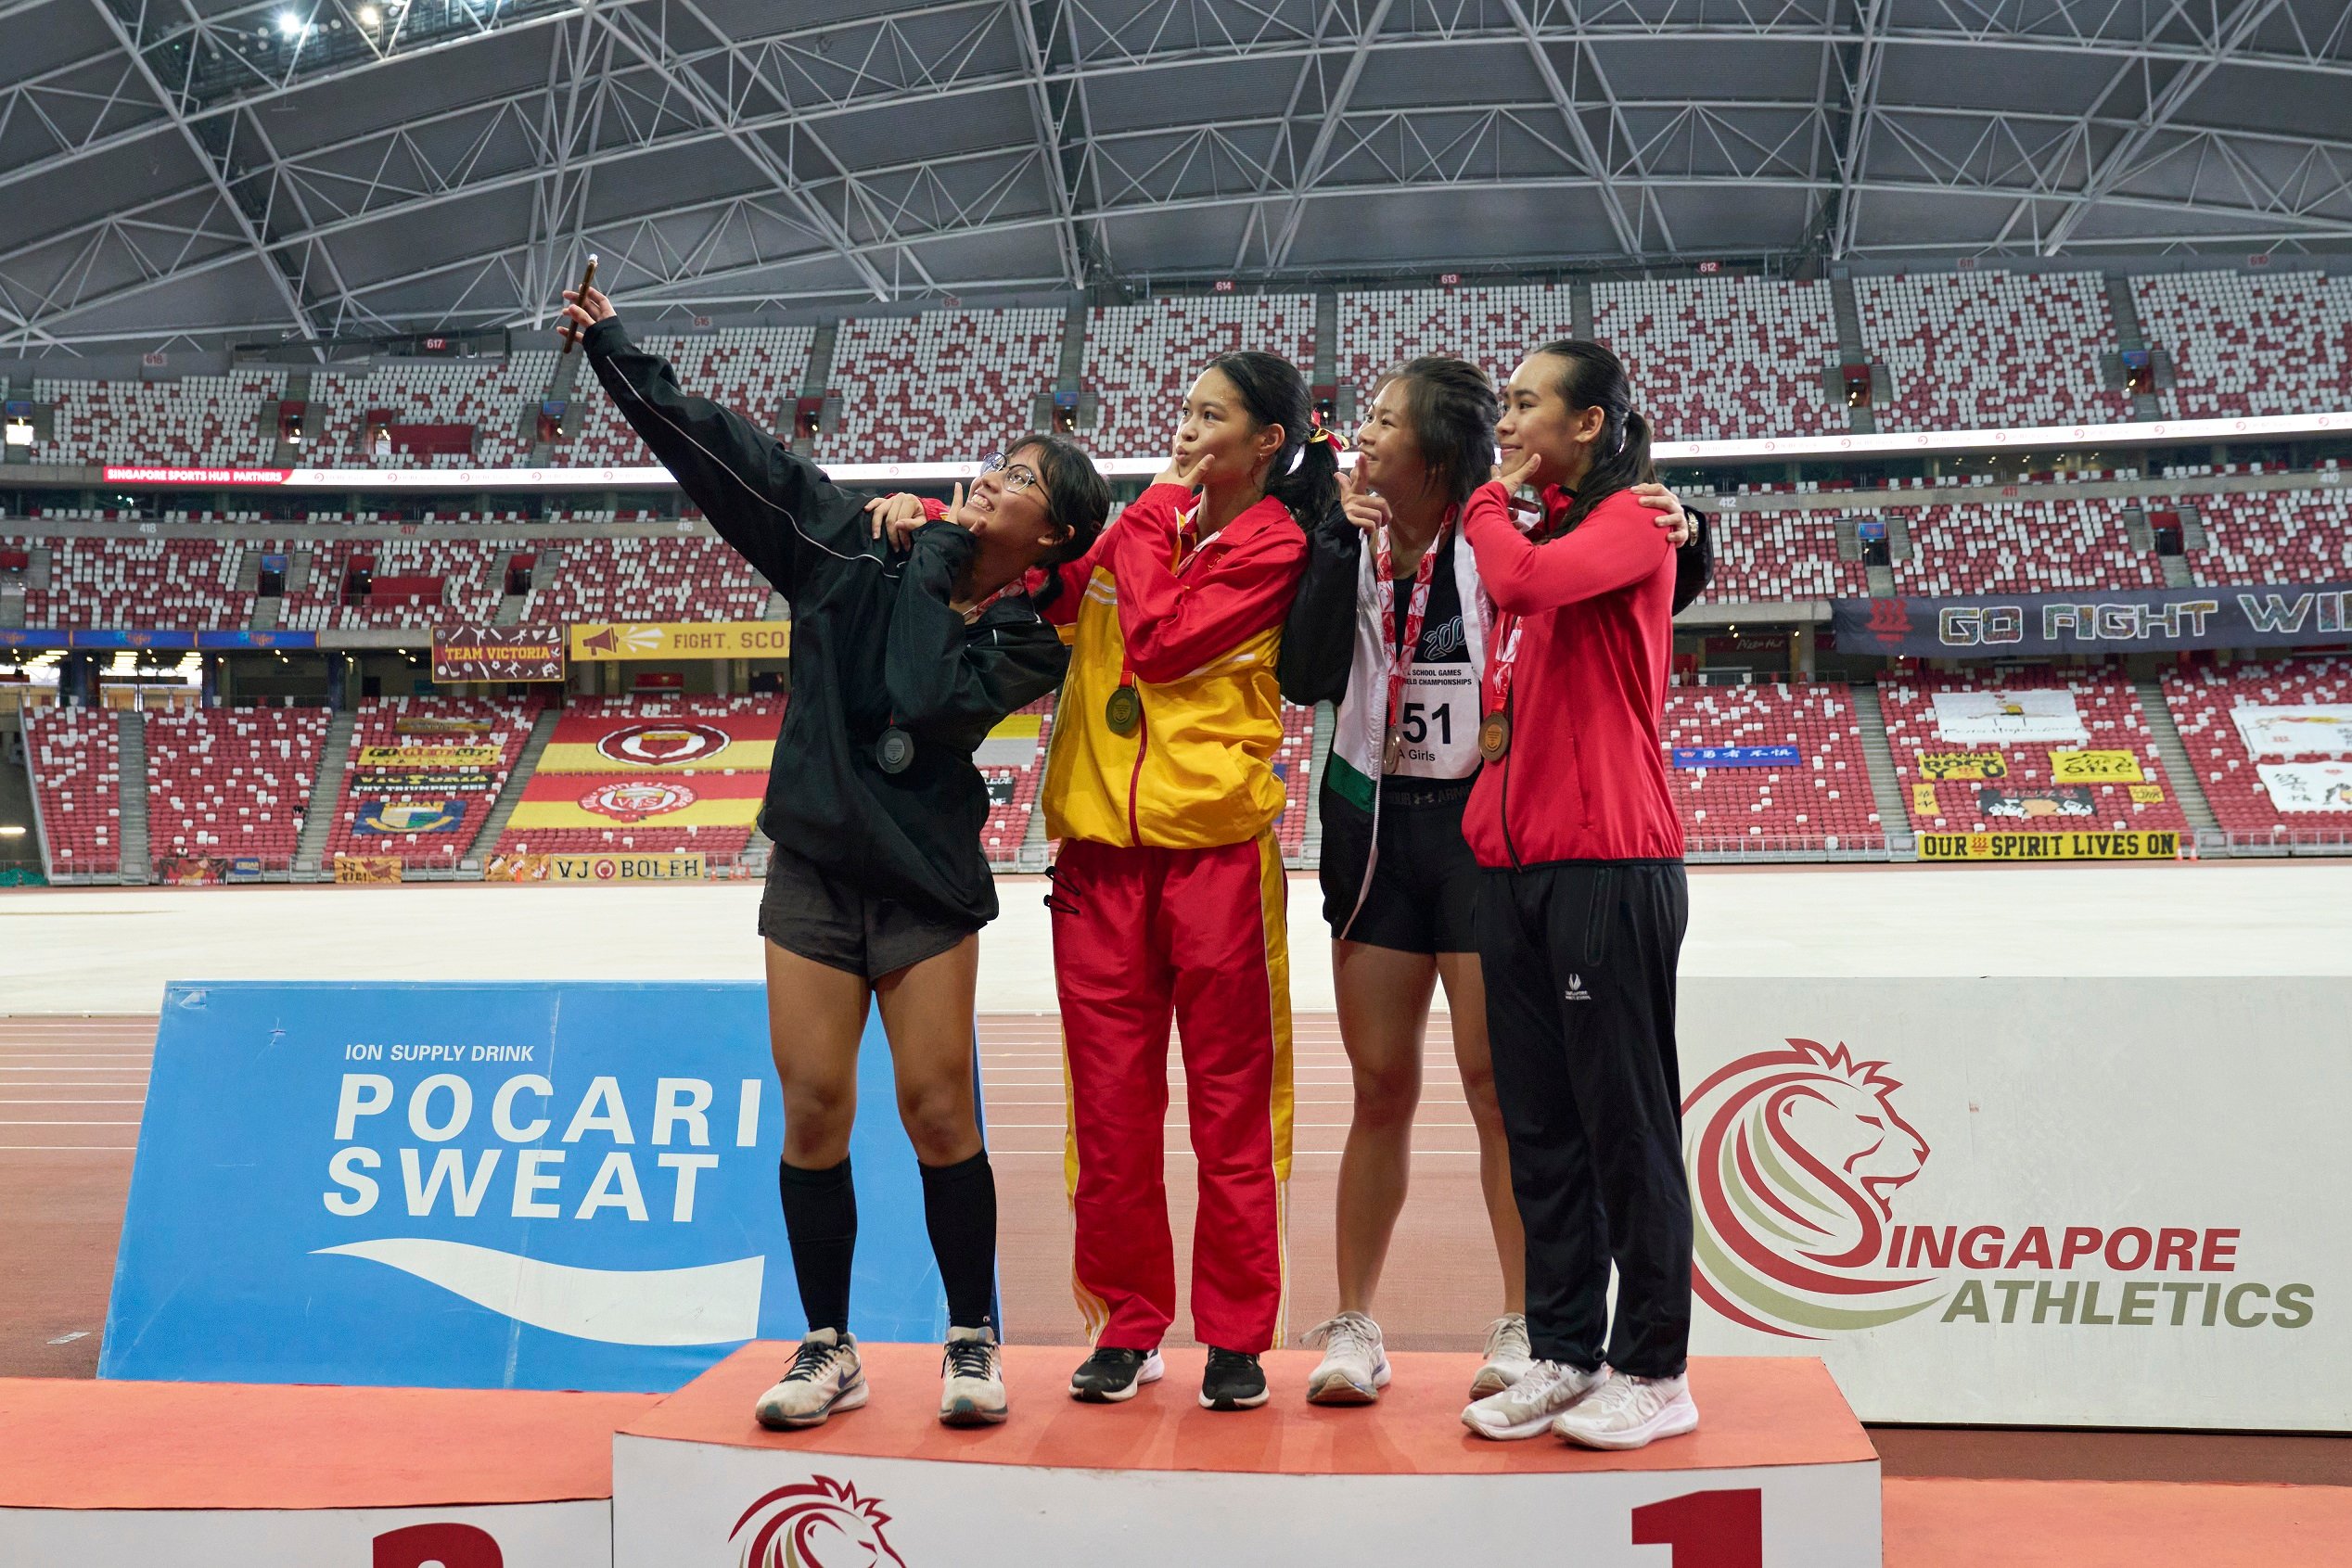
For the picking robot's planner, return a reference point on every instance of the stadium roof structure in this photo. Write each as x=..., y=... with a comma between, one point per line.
x=204, y=170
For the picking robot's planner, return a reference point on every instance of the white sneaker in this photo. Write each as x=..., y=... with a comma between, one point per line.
x=1355, y=1364
x=1528, y=1406
x=1630, y=1412
x=971, y=1379
x=825, y=1377
x=1507, y=1355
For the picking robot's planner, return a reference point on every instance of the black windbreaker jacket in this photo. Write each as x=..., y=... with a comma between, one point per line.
x=874, y=640
x=1319, y=639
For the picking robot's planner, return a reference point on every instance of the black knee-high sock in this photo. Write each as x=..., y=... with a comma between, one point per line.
x=821, y=1218
x=959, y=1209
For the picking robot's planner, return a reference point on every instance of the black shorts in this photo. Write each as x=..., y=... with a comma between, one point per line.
x=1424, y=889
x=810, y=912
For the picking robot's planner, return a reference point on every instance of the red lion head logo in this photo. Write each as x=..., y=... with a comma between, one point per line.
x=1794, y=1159
x=819, y=1523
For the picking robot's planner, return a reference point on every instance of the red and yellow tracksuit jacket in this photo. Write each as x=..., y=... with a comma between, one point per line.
x=1169, y=900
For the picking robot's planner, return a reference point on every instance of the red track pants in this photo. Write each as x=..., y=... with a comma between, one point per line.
x=1137, y=933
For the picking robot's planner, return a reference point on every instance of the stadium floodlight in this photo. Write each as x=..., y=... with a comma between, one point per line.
x=370, y=17
x=290, y=24
x=11, y=830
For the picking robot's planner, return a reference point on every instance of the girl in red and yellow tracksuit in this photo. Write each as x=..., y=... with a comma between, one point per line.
x=1582, y=908
x=1168, y=893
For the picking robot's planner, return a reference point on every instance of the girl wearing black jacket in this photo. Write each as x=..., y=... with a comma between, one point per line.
x=901, y=663
x=1392, y=623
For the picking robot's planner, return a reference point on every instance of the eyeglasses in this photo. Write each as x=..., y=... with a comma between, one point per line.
x=1016, y=479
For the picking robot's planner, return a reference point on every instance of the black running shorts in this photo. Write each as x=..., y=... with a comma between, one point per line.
x=1424, y=889
x=818, y=915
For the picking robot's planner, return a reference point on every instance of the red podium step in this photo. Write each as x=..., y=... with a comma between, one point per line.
x=1779, y=1475
x=228, y=1475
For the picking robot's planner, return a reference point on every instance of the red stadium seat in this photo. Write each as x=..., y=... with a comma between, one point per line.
x=77, y=775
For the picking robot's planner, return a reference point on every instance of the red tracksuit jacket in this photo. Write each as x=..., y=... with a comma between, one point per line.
x=1584, y=779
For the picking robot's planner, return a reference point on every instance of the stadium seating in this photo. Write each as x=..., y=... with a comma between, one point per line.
x=463, y=591
x=232, y=780
x=1985, y=350
x=1008, y=819
x=946, y=385
x=691, y=577
x=2202, y=700
x=1294, y=760
x=2110, y=719
x=2035, y=546
x=1718, y=358
x=77, y=773
x=1773, y=555
x=1139, y=359
x=428, y=723
x=211, y=421
x=2239, y=343
x=718, y=845
x=2278, y=536
x=1822, y=801
x=1492, y=327
x=498, y=398
x=185, y=585
x=755, y=371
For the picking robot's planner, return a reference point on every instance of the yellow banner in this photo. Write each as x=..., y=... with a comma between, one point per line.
x=2095, y=767
x=428, y=756
x=578, y=757
x=2148, y=794
x=591, y=869
x=1017, y=726
x=1924, y=799
x=2049, y=846
x=361, y=869
x=597, y=640
x=1964, y=764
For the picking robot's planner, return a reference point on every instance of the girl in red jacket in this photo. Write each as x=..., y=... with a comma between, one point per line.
x=1583, y=906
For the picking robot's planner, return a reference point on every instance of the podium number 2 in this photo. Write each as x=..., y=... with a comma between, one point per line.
x=1706, y=1529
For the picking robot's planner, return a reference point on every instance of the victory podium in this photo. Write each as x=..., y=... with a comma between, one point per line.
x=1780, y=1474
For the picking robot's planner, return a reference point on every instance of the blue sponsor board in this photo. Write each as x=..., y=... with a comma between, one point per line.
x=138, y=638
x=483, y=1186
x=1736, y=756
x=243, y=868
x=227, y=640
x=18, y=637
x=426, y=815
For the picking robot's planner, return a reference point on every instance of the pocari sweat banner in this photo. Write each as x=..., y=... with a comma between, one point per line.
x=483, y=1186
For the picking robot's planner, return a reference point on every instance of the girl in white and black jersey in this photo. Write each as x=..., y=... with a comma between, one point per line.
x=1391, y=624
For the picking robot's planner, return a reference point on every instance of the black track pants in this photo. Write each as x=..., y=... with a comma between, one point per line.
x=1579, y=963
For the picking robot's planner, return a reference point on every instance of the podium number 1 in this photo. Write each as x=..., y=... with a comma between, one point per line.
x=1706, y=1529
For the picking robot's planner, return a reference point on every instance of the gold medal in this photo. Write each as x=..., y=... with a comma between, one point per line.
x=1124, y=711
x=1392, y=755
x=1494, y=736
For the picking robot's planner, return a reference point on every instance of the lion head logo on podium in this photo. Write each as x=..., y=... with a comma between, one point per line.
x=1796, y=1157
x=819, y=1523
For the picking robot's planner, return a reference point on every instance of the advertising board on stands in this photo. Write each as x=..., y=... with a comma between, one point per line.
x=2269, y=615
x=2052, y=846
x=639, y=640
x=497, y=654
x=482, y=1185
x=2109, y=1202
x=590, y=870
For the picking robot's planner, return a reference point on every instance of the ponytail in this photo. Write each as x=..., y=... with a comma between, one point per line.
x=1304, y=474
x=1595, y=377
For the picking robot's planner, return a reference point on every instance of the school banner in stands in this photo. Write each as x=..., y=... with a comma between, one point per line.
x=2079, y=1202
x=2310, y=729
x=498, y=653
x=2054, y=846
x=412, y=814
x=2307, y=786
x=1708, y=757
x=569, y=800
x=689, y=744
x=2270, y=614
x=365, y=869
x=518, y=1185
x=730, y=639
x=589, y=870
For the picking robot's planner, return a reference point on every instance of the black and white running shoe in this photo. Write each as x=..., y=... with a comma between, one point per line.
x=1114, y=1373
x=1233, y=1381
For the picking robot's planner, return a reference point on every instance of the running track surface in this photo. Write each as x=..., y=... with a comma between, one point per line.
x=71, y=1089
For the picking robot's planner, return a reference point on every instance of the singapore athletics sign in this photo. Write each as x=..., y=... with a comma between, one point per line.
x=2024, y=1201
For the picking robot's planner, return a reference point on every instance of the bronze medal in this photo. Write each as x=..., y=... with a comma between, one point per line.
x=1124, y=711
x=1494, y=736
x=1392, y=755
x=895, y=751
